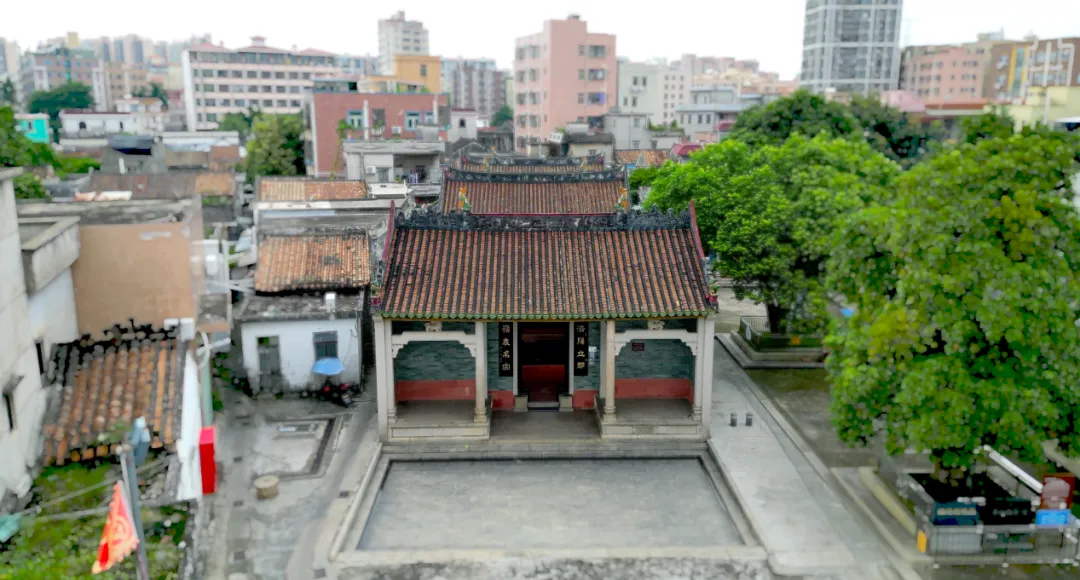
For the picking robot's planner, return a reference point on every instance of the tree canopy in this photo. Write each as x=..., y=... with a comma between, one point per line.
x=768, y=214
x=155, y=90
x=276, y=146
x=18, y=151
x=8, y=93
x=893, y=132
x=240, y=122
x=504, y=114
x=802, y=112
x=70, y=95
x=965, y=287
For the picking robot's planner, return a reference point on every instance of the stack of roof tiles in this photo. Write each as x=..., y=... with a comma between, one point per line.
x=307, y=189
x=565, y=193
x=316, y=262
x=105, y=386
x=618, y=265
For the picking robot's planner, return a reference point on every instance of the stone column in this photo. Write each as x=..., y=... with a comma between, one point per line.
x=699, y=369
x=383, y=359
x=391, y=385
x=607, y=362
x=707, y=385
x=480, y=413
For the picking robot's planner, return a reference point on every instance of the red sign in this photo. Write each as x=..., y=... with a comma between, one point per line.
x=637, y=347
x=1057, y=491
x=207, y=441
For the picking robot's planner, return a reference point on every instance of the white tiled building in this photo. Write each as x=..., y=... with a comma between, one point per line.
x=654, y=89
x=218, y=80
x=400, y=36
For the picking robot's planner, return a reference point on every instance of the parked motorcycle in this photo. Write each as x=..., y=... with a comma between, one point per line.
x=341, y=394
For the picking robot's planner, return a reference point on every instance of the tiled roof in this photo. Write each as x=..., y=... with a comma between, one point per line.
x=683, y=149
x=620, y=265
x=496, y=164
x=333, y=260
x=641, y=157
x=565, y=193
x=112, y=383
x=229, y=153
x=305, y=189
x=170, y=185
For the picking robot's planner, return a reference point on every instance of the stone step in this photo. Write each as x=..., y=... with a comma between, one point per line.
x=546, y=449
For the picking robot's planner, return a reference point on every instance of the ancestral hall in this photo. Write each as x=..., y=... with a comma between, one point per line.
x=607, y=312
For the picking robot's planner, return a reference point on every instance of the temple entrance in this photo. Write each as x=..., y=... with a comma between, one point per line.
x=543, y=361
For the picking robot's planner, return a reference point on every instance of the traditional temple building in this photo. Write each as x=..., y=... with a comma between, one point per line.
x=591, y=192
x=504, y=164
x=608, y=313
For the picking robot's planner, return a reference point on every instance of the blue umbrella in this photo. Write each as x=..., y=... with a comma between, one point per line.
x=847, y=312
x=327, y=366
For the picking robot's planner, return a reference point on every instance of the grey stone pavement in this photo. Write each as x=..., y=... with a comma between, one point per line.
x=512, y=505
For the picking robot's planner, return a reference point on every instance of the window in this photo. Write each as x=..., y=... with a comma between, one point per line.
x=294, y=76
x=306, y=75
x=239, y=102
x=9, y=407
x=280, y=89
x=267, y=88
x=198, y=103
x=633, y=101
x=269, y=356
x=237, y=74
x=597, y=98
x=461, y=123
x=265, y=74
x=581, y=50
x=581, y=74
x=325, y=345
x=423, y=70
x=282, y=103
x=211, y=117
x=226, y=103
x=222, y=73
x=597, y=51
x=294, y=89
x=223, y=88
x=268, y=103
x=635, y=144
x=598, y=74
x=634, y=81
x=39, y=347
x=279, y=75
x=252, y=74
x=211, y=102
x=637, y=122
x=411, y=121
x=294, y=103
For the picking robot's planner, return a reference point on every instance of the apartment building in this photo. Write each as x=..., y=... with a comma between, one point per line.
x=950, y=71
x=474, y=84
x=9, y=66
x=1018, y=67
x=563, y=74
x=53, y=66
x=400, y=36
x=654, y=89
x=851, y=47
x=218, y=81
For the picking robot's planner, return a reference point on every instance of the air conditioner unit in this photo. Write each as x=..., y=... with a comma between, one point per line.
x=371, y=170
x=395, y=130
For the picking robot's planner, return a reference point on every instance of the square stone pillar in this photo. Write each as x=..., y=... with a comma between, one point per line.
x=480, y=413
x=700, y=379
x=607, y=367
x=707, y=351
x=384, y=375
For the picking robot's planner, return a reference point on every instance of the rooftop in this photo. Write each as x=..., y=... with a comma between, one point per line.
x=170, y=185
x=317, y=261
x=113, y=212
x=309, y=189
x=283, y=308
x=103, y=385
x=642, y=157
x=533, y=193
x=513, y=164
x=469, y=267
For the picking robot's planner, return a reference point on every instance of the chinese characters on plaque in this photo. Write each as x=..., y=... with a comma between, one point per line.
x=581, y=349
x=506, y=349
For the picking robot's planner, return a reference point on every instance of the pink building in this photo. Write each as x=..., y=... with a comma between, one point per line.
x=562, y=75
x=946, y=72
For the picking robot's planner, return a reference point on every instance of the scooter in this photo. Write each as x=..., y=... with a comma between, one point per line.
x=339, y=394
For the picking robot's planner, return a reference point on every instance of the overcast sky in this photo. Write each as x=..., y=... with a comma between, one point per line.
x=768, y=30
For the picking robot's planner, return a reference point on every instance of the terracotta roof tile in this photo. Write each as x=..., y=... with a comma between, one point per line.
x=306, y=189
x=489, y=164
x=641, y=157
x=214, y=183
x=625, y=265
x=493, y=193
x=479, y=167
x=112, y=383
x=313, y=262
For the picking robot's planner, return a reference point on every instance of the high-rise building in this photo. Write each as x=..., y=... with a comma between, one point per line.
x=652, y=89
x=400, y=36
x=1017, y=67
x=52, y=66
x=474, y=84
x=9, y=66
x=218, y=81
x=563, y=74
x=851, y=47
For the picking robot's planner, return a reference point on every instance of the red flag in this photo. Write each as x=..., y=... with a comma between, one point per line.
x=118, y=539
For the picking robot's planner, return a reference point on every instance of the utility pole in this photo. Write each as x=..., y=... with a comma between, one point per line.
x=132, y=453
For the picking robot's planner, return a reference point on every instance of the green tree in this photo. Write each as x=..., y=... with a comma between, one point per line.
x=276, y=146
x=989, y=125
x=155, y=90
x=71, y=95
x=643, y=177
x=504, y=114
x=769, y=212
x=7, y=93
x=898, y=135
x=965, y=331
x=802, y=112
x=240, y=122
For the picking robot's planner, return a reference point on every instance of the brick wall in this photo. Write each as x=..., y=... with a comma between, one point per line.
x=661, y=359
x=434, y=361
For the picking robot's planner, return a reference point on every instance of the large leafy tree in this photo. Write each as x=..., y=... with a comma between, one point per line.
x=504, y=114
x=896, y=134
x=155, y=90
x=996, y=123
x=967, y=293
x=7, y=93
x=768, y=213
x=240, y=122
x=17, y=151
x=276, y=146
x=801, y=112
x=70, y=95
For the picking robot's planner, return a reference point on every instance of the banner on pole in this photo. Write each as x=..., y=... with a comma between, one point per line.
x=118, y=538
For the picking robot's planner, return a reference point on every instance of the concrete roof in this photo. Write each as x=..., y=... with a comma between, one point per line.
x=281, y=308
x=112, y=212
x=36, y=232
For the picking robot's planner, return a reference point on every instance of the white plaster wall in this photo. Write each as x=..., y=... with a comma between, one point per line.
x=187, y=446
x=295, y=343
x=20, y=447
x=53, y=319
